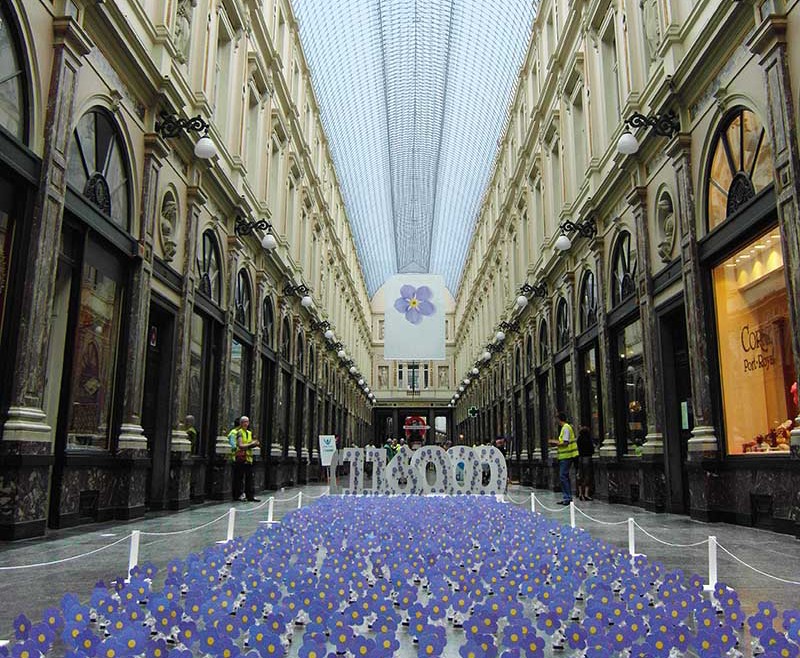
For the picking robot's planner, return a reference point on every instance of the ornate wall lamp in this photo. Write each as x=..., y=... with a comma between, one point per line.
x=171, y=125
x=505, y=327
x=302, y=290
x=244, y=227
x=587, y=229
x=527, y=290
x=665, y=125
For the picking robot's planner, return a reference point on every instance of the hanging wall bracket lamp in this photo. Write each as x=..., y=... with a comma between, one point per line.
x=171, y=125
x=587, y=229
x=664, y=125
x=244, y=227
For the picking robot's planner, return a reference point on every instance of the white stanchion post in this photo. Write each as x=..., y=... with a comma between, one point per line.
x=631, y=537
x=133, y=555
x=533, y=502
x=231, y=523
x=299, y=500
x=572, y=514
x=712, y=564
x=271, y=509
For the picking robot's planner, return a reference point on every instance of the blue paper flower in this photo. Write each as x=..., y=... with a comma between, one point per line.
x=414, y=303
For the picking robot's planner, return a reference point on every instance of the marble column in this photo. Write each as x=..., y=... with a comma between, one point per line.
x=183, y=464
x=654, y=440
x=769, y=41
x=26, y=451
x=703, y=443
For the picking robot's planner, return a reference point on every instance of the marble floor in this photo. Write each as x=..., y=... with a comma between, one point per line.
x=32, y=590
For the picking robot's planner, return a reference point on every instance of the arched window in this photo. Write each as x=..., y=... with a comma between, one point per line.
x=623, y=269
x=243, y=298
x=544, y=343
x=529, y=354
x=299, y=360
x=741, y=166
x=13, y=79
x=269, y=322
x=562, y=324
x=208, y=266
x=286, y=338
x=97, y=166
x=588, y=309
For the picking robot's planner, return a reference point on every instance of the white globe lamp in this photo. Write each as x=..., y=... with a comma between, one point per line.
x=500, y=336
x=522, y=301
x=268, y=242
x=475, y=371
x=361, y=382
x=627, y=144
x=562, y=243
x=306, y=301
x=341, y=354
x=487, y=355
x=329, y=335
x=205, y=149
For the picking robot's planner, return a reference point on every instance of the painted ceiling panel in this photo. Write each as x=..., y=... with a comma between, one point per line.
x=414, y=96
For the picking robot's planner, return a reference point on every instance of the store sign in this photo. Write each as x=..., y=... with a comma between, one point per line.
x=758, y=347
x=428, y=470
x=327, y=448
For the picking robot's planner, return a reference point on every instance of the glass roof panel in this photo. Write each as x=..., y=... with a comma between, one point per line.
x=414, y=96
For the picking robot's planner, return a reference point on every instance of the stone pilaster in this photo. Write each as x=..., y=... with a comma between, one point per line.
x=654, y=440
x=704, y=443
x=769, y=42
x=27, y=445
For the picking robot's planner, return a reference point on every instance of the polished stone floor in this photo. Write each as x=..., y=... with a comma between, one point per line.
x=32, y=590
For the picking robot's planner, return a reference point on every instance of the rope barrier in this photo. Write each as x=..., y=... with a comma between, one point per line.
x=667, y=543
x=552, y=509
x=288, y=500
x=763, y=573
x=256, y=508
x=591, y=518
x=516, y=502
x=181, y=532
x=324, y=493
x=66, y=559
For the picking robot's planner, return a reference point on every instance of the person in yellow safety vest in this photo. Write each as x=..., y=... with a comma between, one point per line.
x=243, y=461
x=567, y=451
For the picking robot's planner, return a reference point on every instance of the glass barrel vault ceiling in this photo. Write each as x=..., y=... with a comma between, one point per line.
x=413, y=97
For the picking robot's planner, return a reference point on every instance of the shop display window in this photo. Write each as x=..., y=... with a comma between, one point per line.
x=590, y=393
x=631, y=387
x=754, y=346
x=196, y=370
x=564, y=388
x=95, y=361
x=240, y=362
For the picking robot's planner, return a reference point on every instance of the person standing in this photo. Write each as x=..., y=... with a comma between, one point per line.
x=567, y=450
x=585, y=477
x=243, y=461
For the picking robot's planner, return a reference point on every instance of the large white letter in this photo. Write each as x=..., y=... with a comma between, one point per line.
x=465, y=471
x=498, y=471
x=441, y=464
x=356, y=458
x=398, y=471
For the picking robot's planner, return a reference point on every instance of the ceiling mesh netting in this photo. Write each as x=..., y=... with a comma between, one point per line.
x=413, y=97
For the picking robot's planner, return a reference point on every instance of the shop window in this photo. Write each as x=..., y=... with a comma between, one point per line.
x=239, y=378
x=590, y=392
x=741, y=166
x=242, y=299
x=312, y=366
x=544, y=343
x=95, y=361
x=588, y=307
x=517, y=366
x=6, y=243
x=754, y=346
x=268, y=313
x=13, y=82
x=562, y=325
x=630, y=387
x=529, y=354
x=286, y=339
x=564, y=388
x=299, y=360
x=196, y=375
x=208, y=266
x=623, y=269
x=97, y=168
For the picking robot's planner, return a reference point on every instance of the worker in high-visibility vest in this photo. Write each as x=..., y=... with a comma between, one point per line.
x=567, y=451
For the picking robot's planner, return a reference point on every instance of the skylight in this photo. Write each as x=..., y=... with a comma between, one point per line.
x=414, y=96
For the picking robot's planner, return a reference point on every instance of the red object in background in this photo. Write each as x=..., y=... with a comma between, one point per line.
x=795, y=394
x=416, y=428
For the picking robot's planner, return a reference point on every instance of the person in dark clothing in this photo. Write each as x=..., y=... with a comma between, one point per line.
x=585, y=468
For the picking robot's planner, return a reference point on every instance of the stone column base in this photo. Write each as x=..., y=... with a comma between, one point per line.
x=221, y=478
x=179, y=494
x=130, y=484
x=703, y=444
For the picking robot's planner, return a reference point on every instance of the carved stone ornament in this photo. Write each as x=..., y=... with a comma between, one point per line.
x=652, y=28
x=183, y=28
x=666, y=225
x=168, y=223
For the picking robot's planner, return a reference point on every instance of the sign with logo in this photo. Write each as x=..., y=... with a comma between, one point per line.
x=327, y=448
x=472, y=411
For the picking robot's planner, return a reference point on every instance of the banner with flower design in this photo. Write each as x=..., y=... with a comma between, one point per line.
x=414, y=327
